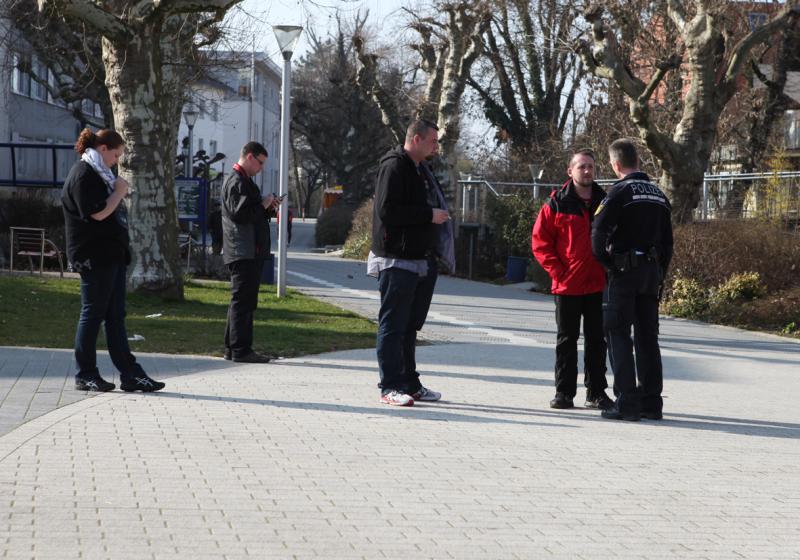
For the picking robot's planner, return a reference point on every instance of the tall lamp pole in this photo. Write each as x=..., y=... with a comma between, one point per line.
x=190, y=117
x=287, y=36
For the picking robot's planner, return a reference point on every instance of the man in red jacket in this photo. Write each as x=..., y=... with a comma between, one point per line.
x=562, y=243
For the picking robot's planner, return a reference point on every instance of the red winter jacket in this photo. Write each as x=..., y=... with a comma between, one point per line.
x=562, y=242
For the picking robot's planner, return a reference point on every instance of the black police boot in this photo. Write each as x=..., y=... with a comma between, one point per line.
x=615, y=414
x=561, y=401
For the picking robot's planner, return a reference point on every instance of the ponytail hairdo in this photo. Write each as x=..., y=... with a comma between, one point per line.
x=103, y=137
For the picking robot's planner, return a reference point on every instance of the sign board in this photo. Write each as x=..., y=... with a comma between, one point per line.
x=188, y=198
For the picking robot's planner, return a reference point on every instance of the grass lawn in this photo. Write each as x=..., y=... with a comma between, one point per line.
x=44, y=313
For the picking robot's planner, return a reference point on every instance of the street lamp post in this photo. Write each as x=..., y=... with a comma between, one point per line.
x=287, y=36
x=190, y=117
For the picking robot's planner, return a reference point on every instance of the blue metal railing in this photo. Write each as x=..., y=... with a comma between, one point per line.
x=15, y=181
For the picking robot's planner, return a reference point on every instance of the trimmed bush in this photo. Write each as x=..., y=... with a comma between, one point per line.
x=687, y=298
x=739, y=287
x=360, y=237
x=333, y=225
x=712, y=252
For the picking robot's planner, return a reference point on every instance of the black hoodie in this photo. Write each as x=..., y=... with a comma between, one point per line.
x=401, y=221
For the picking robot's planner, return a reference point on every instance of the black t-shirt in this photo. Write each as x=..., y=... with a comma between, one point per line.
x=92, y=242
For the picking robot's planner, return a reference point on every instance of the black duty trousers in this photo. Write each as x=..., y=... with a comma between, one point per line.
x=631, y=299
x=569, y=310
x=245, y=281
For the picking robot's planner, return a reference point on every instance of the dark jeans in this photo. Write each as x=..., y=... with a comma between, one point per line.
x=405, y=300
x=103, y=301
x=569, y=310
x=245, y=281
x=631, y=299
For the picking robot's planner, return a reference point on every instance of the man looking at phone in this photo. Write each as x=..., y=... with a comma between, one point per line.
x=245, y=244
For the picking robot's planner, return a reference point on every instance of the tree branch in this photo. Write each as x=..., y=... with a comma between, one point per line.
x=785, y=18
x=677, y=13
x=603, y=56
x=187, y=6
x=673, y=62
x=102, y=21
x=367, y=79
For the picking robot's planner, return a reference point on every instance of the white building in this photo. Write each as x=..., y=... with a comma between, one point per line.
x=237, y=103
x=28, y=114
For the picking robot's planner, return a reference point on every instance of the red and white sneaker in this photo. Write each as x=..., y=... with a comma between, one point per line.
x=396, y=398
x=425, y=394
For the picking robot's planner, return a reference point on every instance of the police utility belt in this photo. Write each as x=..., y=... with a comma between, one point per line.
x=634, y=259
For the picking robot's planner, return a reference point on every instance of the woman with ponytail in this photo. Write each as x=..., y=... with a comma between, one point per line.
x=98, y=249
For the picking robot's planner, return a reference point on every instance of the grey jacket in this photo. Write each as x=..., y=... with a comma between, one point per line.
x=245, y=222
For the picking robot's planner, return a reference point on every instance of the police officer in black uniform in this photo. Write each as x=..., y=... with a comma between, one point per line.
x=632, y=238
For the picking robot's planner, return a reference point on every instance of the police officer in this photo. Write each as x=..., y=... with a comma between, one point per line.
x=632, y=238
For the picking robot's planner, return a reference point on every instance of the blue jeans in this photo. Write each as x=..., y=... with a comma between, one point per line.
x=103, y=301
x=405, y=300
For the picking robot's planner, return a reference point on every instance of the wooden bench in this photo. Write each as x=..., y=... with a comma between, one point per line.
x=31, y=242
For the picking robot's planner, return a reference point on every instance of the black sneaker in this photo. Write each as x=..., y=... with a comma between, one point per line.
x=252, y=358
x=601, y=403
x=615, y=414
x=652, y=414
x=561, y=401
x=141, y=382
x=96, y=384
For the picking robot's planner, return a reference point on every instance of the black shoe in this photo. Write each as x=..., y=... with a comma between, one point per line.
x=141, y=382
x=561, y=401
x=96, y=384
x=652, y=414
x=227, y=354
x=601, y=403
x=614, y=414
x=252, y=358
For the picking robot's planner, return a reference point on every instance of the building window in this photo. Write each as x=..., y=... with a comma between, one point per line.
x=39, y=72
x=212, y=148
x=200, y=145
x=20, y=80
x=215, y=111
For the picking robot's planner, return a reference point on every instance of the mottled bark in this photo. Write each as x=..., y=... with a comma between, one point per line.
x=148, y=48
x=713, y=64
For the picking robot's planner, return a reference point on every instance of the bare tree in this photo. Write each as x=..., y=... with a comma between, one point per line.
x=751, y=126
x=147, y=50
x=531, y=75
x=449, y=46
x=710, y=50
x=334, y=118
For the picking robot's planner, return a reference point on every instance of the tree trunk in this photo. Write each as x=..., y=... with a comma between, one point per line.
x=683, y=190
x=145, y=114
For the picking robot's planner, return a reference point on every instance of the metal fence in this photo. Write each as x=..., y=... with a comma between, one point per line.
x=767, y=196
x=35, y=165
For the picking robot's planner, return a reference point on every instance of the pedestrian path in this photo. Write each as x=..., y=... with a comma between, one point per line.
x=297, y=459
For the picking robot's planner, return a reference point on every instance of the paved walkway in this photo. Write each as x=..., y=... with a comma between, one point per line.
x=296, y=459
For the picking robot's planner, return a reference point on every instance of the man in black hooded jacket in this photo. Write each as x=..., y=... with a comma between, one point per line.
x=409, y=223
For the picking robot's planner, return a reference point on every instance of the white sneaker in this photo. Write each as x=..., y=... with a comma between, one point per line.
x=396, y=398
x=425, y=394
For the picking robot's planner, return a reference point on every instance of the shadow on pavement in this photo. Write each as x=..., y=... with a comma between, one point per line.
x=420, y=411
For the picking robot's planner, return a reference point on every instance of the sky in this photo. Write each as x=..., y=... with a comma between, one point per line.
x=384, y=16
